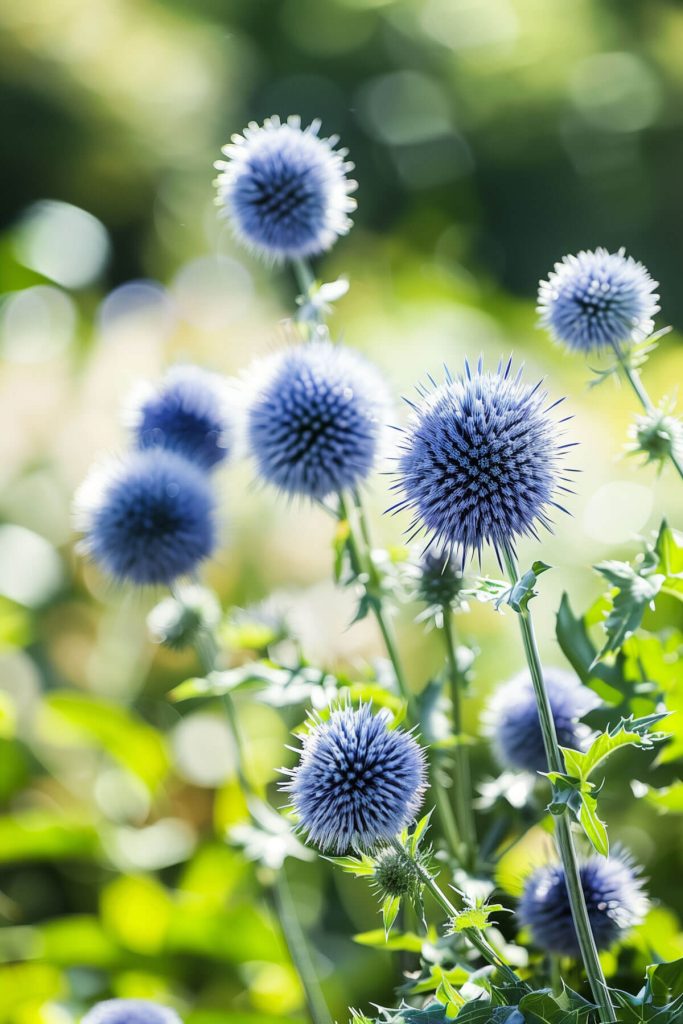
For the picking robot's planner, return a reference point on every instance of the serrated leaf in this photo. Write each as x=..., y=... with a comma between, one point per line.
x=407, y=942
x=634, y=593
x=592, y=825
x=669, y=551
x=628, y=732
x=390, y=908
x=476, y=917
x=523, y=590
x=418, y=832
x=358, y=866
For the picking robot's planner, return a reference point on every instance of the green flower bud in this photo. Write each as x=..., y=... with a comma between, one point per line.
x=657, y=435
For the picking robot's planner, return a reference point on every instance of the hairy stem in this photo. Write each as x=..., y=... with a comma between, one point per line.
x=565, y=842
x=207, y=652
x=298, y=950
x=462, y=785
x=474, y=935
x=633, y=377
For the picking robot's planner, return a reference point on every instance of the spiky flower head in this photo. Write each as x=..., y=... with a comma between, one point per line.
x=598, y=299
x=285, y=190
x=358, y=782
x=147, y=517
x=396, y=875
x=188, y=413
x=511, y=718
x=615, y=901
x=440, y=578
x=315, y=422
x=657, y=435
x=177, y=621
x=480, y=460
x=130, y=1011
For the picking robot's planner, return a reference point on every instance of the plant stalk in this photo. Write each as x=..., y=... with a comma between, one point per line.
x=462, y=784
x=207, y=652
x=565, y=842
x=633, y=377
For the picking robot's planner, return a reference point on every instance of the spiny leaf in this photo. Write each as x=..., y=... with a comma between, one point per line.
x=390, y=909
x=634, y=593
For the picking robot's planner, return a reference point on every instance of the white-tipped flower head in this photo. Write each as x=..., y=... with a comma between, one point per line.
x=285, y=190
x=598, y=300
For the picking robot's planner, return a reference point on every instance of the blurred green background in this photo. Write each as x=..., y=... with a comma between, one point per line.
x=490, y=137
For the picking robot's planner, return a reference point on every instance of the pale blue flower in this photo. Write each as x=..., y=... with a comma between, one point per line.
x=285, y=190
x=130, y=1011
x=597, y=300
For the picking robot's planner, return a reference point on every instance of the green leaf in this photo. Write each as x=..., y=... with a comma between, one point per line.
x=418, y=832
x=669, y=551
x=476, y=916
x=390, y=908
x=407, y=942
x=358, y=866
x=524, y=589
x=595, y=829
x=634, y=593
x=75, y=718
x=628, y=732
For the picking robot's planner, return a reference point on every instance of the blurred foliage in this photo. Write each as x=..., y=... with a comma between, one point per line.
x=490, y=137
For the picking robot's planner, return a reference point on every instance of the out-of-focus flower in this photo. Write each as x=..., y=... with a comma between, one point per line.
x=285, y=190
x=177, y=621
x=440, y=580
x=598, y=299
x=315, y=421
x=480, y=461
x=657, y=435
x=147, y=517
x=511, y=718
x=130, y=1011
x=187, y=413
x=614, y=895
x=358, y=782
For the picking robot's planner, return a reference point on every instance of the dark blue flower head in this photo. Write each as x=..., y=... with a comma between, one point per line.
x=147, y=517
x=188, y=413
x=358, y=782
x=512, y=721
x=614, y=898
x=285, y=189
x=315, y=421
x=598, y=299
x=130, y=1011
x=479, y=461
x=440, y=578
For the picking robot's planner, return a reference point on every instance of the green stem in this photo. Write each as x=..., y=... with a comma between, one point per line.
x=207, y=652
x=362, y=564
x=633, y=377
x=305, y=277
x=299, y=951
x=555, y=974
x=565, y=842
x=462, y=784
x=474, y=935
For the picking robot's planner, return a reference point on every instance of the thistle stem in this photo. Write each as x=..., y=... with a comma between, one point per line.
x=207, y=650
x=565, y=842
x=474, y=935
x=304, y=276
x=462, y=785
x=298, y=950
x=633, y=377
x=363, y=564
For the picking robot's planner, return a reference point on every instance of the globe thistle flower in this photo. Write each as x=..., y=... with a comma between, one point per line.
x=479, y=461
x=187, y=413
x=440, y=579
x=511, y=718
x=657, y=435
x=130, y=1011
x=614, y=898
x=177, y=621
x=358, y=782
x=596, y=300
x=147, y=518
x=285, y=190
x=315, y=422
x=396, y=875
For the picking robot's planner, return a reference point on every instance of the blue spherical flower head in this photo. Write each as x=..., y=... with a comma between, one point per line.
x=480, y=461
x=130, y=1011
x=315, y=421
x=614, y=898
x=285, y=189
x=596, y=300
x=147, y=518
x=187, y=413
x=512, y=722
x=358, y=782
